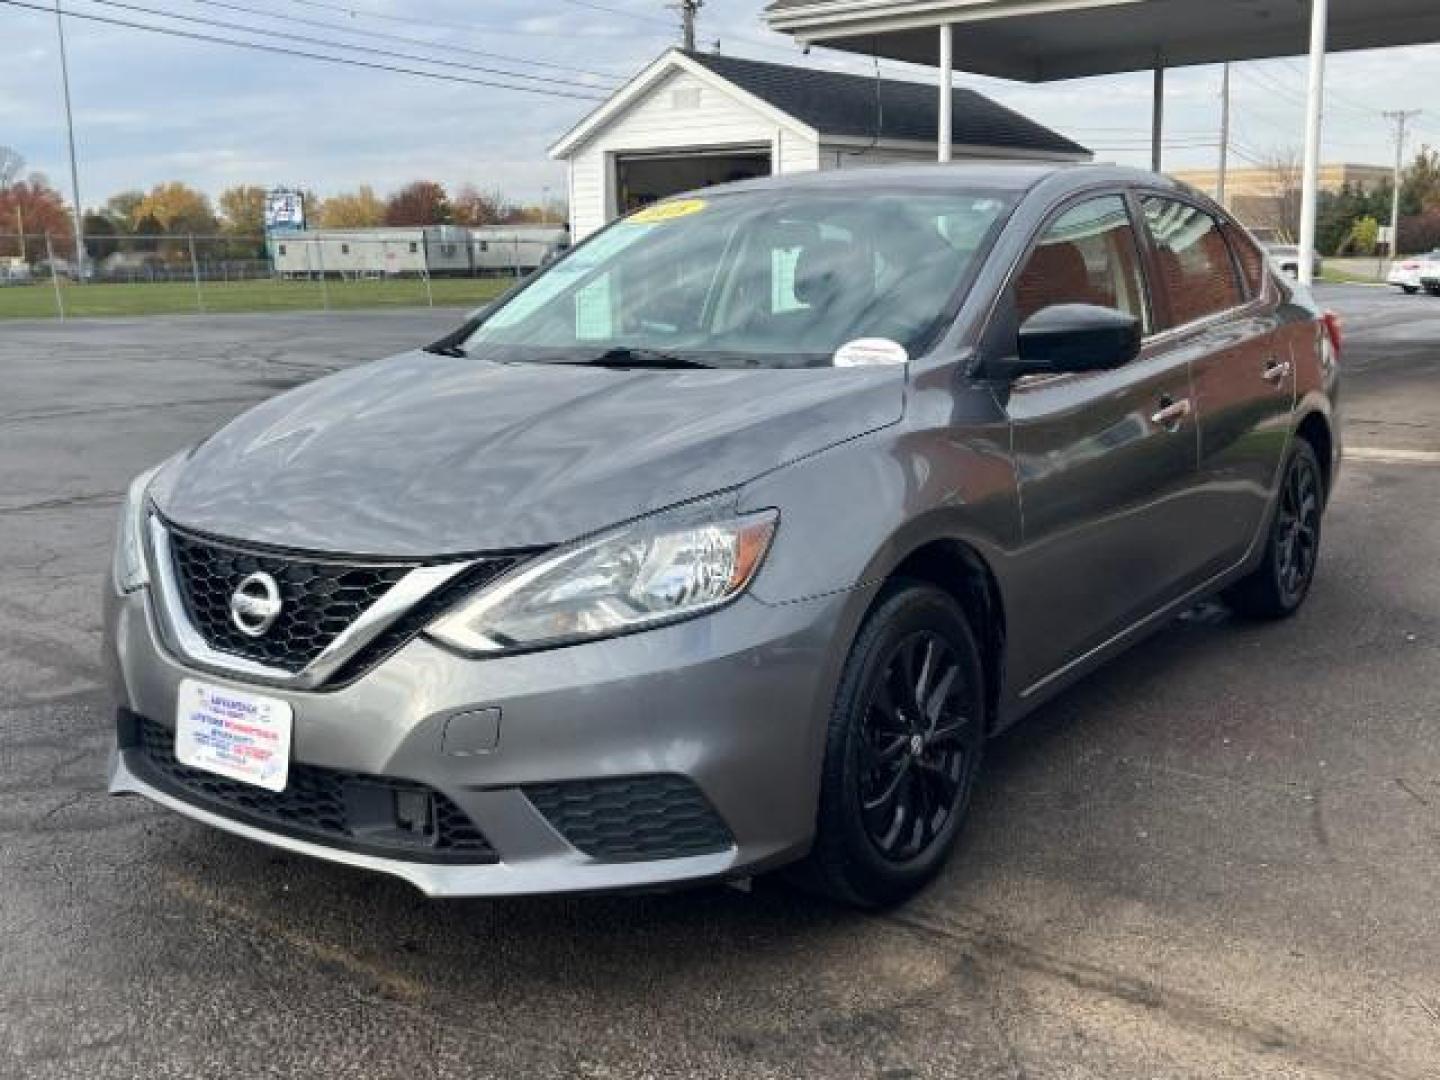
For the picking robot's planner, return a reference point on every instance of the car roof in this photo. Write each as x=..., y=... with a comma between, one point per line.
x=1019, y=176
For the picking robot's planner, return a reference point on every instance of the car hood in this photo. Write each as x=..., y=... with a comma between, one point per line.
x=425, y=455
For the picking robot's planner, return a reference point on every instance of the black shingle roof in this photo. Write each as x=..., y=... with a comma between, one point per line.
x=834, y=103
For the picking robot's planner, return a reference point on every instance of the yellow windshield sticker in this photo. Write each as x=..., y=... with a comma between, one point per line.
x=668, y=211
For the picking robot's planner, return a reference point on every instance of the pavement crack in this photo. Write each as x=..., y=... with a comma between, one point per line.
x=1317, y=823
x=95, y=498
x=1404, y=785
x=1184, y=1009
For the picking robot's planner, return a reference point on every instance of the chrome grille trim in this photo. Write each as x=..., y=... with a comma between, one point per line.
x=185, y=641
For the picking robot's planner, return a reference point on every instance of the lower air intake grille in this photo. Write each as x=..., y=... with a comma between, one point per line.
x=634, y=818
x=367, y=814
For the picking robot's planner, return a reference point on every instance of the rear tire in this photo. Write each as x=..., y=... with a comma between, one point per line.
x=1410, y=290
x=906, y=735
x=1279, y=585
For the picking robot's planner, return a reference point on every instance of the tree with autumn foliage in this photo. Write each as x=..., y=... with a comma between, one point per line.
x=423, y=202
x=179, y=209
x=242, y=210
x=242, y=220
x=474, y=207
x=33, y=207
x=359, y=209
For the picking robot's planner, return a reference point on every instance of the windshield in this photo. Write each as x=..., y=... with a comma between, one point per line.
x=764, y=278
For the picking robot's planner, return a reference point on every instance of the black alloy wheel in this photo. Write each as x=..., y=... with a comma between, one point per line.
x=1279, y=585
x=905, y=740
x=1297, y=537
x=912, y=746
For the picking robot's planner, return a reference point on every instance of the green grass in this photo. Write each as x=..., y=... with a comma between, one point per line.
x=1337, y=276
x=37, y=301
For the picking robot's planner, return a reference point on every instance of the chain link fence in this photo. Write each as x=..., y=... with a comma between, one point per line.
x=319, y=270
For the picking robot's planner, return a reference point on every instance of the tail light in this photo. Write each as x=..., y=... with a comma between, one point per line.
x=1334, y=330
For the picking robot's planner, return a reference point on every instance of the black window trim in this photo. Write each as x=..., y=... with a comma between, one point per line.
x=1174, y=331
x=1005, y=296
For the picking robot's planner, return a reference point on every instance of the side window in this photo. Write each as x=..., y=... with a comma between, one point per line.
x=1194, y=258
x=1251, y=259
x=1088, y=255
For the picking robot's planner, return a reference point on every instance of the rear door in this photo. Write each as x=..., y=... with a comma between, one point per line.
x=1105, y=461
x=1221, y=315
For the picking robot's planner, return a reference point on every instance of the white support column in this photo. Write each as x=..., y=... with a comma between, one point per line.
x=945, y=136
x=1314, y=116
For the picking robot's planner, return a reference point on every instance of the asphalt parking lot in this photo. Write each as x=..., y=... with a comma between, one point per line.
x=1220, y=857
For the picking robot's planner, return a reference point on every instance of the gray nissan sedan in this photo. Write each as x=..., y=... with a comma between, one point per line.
x=727, y=541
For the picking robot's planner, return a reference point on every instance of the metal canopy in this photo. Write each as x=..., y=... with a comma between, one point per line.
x=1044, y=40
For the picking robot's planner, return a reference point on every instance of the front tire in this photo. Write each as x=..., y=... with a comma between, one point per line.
x=905, y=740
x=1279, y=585
x=1410, y=290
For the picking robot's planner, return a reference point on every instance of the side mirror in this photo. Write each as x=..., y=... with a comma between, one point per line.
x=1076, y=338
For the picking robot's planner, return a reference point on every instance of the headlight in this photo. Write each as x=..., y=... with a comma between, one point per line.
x=672, y=566
x=129, y=566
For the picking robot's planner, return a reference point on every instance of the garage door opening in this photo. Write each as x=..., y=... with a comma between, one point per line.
x=643, y=179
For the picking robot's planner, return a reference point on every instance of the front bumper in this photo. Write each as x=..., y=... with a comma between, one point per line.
x=734, y=702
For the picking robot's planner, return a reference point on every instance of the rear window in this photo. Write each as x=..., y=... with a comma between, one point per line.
x=1250, y=258
x=1195, y=263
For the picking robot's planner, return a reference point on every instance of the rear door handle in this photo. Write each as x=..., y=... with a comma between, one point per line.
x=1172, y=413
x=1277, y=371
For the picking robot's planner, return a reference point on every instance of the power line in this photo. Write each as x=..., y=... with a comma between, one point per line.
x=1330, y=93
x=301, y=54
x=381, y=36
x=324, y=43
x=618, y=11
x=774, y=46
x=407, y=21
x=1273, y=85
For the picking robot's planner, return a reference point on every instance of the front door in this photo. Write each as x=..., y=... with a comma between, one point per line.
x=1106, y=462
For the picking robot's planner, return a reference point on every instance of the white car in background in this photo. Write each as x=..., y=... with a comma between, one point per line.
x=1416, y=272
x=1287, y=258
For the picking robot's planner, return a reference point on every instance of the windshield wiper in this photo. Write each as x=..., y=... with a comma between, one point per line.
x=628, y=356
x=441, y=349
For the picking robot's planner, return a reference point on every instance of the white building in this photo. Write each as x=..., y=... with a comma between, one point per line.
x=693, y=119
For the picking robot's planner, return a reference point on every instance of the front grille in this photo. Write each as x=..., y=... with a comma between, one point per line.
x=353, y=811
x=319, y=599
x=633, y=818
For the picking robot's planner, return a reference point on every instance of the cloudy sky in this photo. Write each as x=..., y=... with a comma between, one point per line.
x=150, y=107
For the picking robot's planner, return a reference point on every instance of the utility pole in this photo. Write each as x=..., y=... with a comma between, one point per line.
x=70, y=132
x=1401, y=119
x=688, y=10
x=1224, y=136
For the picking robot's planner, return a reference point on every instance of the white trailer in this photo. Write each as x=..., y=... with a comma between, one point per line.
x=515, y=249
x=362, y=253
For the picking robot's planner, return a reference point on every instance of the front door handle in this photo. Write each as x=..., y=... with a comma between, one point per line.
x=1277, y=371
x=1172, y=413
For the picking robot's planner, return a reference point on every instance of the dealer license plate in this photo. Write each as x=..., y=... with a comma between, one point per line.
x=236, y=734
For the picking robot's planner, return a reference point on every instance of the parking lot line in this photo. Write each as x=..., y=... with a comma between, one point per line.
x=1387, y=456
